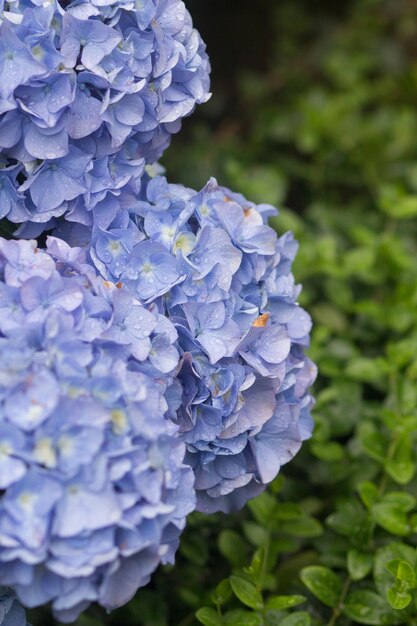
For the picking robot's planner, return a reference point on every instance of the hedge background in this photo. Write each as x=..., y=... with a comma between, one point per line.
x=315, y=110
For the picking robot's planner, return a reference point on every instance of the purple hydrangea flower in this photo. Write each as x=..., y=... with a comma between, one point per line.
x=90, y=40
x=210, y=263
x=107, y=80
x=17, y=64
x=94, y=491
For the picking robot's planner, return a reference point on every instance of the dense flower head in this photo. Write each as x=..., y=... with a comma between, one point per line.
x=211, y=264
x=94, y=491
x=90, y=90
x=11, y=611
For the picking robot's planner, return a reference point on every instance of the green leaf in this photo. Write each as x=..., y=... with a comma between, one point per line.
x=323, y=583
x=403, y=500
x=390, y=552
x=396, y=203
x=329, y=451
x=400, y=471
x=257, y=562
x=284, y=602
x=299, y=618
x=366, y=607
x=359, y=564
x=222, y=593
x=263, y=508
x=372, y=441
x=305, y=526
x=368, y=493
x=257, y=534
x=403, y=571
x=238, y=617
x=348, y=520
x=413, y=523
x=257, y=571
x=287, y=511
x=398, y=599
x=246, y=592
x=366, y=370
x=233, y=547
x=401, y=468
x=390, y=517
x=208, y=616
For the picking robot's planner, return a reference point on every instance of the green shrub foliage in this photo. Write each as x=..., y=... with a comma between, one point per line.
x=328, y=131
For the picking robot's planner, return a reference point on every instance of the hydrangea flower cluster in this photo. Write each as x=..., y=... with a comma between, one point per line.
x=209, y=262
x=152, y=355
x=90, y=90
x=94, y=491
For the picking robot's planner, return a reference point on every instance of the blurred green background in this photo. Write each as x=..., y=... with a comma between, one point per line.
x=314, y=109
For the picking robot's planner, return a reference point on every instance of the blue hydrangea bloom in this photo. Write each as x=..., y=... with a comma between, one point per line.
x=90, y=91
x=94, y=491
x=209, y=262
x=11, y=612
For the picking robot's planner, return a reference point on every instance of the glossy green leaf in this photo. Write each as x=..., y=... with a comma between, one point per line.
x=258, y=535
x=328, y=451
x=399, y=599
x=392, y=552
x=208, y=616
x=323, y=583
x=359, y=564
x=263, y=508
x=391, y=517
x=396, y=203
x=233, y=547
x=298, y=618
x=284, y=602
x=401, y=467
x=366, y=607
x=305, y=526
x=369, y=493
x=403, y=571
x=238, y=617
x=404, y=501
x=373, y=441
x=222, y=593
x=246, y=592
